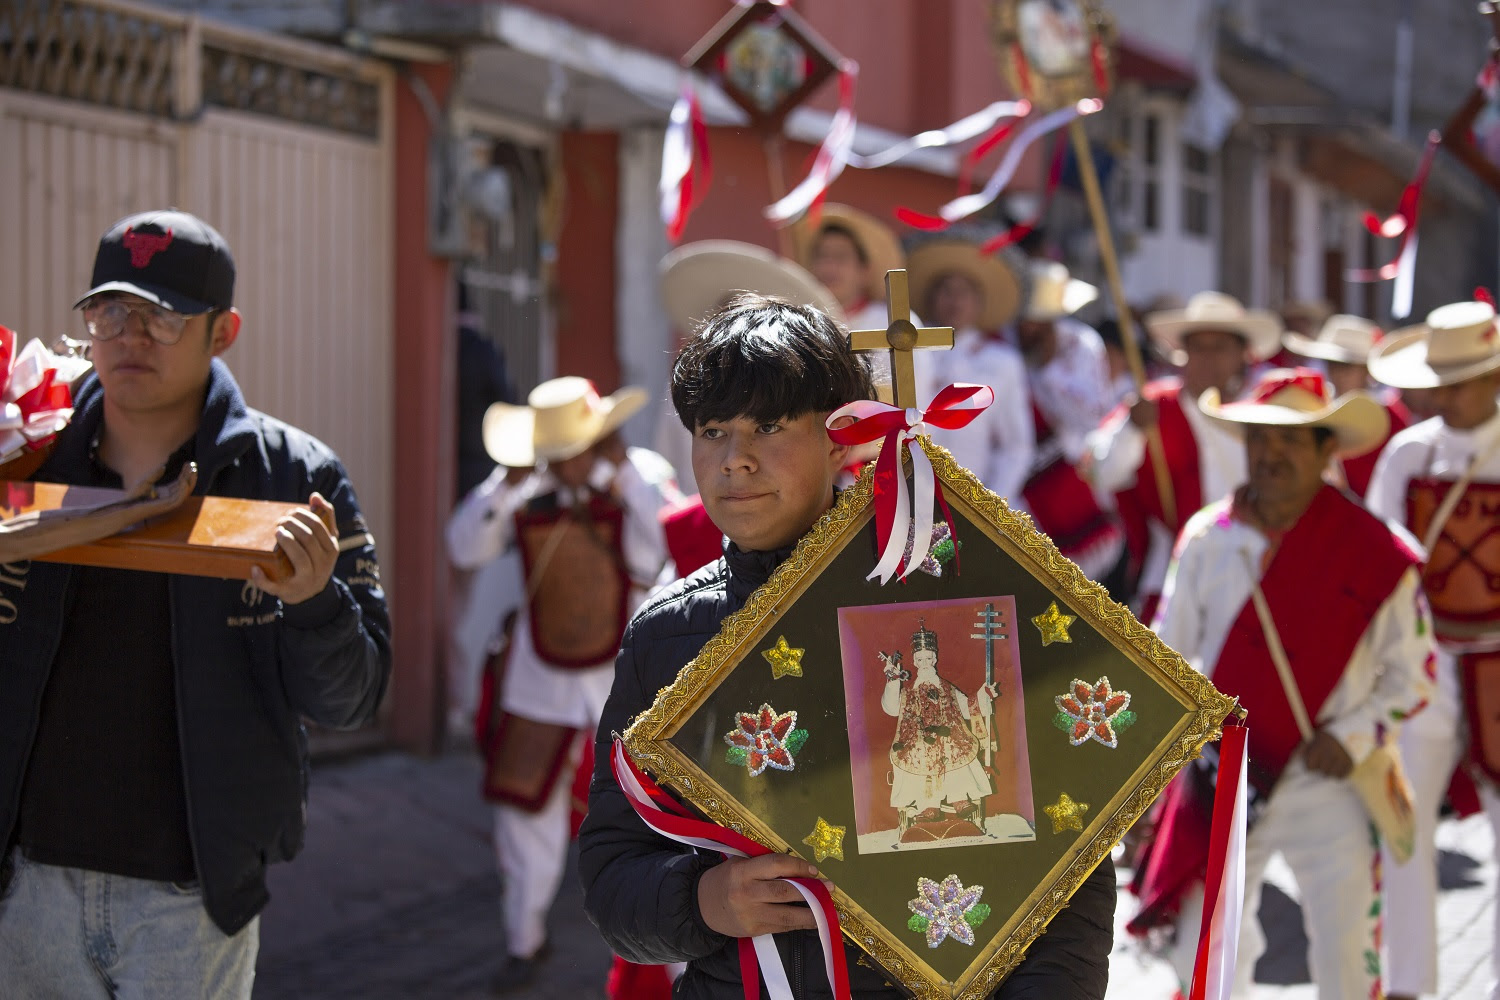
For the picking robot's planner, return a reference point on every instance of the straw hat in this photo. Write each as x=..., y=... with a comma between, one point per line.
x=562, y=418
x=998, y=284
x=1343, y=338
x=1056, y=293
x=1458, y=342
x=1299, y=397
x=878, y=241
x=1217, y=311
x=696, y=278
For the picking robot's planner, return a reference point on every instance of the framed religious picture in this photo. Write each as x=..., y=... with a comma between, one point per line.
x=1054, y=52
x=766, y=59
x=956, y=749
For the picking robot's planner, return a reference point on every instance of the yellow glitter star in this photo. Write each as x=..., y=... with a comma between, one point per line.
x=1066, y=814
x=1054, y=625
x=785, y=660
x=826, y=840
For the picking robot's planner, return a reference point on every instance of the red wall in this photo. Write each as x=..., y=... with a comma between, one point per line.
x=585, y=277
x=425, y=382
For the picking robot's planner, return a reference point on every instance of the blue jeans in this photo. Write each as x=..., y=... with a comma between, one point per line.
x=78, y=935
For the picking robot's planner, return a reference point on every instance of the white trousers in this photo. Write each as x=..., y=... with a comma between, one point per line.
x=532, y=851
x=1319, y=826
x=1411, y=889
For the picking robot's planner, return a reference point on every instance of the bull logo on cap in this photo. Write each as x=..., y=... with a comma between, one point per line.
x=144, y=246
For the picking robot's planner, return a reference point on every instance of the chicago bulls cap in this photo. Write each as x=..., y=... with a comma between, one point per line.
x=171, y=258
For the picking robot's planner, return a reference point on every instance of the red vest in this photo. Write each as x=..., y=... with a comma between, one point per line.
x=1141, y=503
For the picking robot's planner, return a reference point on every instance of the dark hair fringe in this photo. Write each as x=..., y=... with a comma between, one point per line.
x=765, y=358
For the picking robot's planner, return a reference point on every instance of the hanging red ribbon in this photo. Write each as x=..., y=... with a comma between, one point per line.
x=671, y=819
x=1022, y=229
x=1224, y=884
x=686, y=165
x=832, y=156
x=896, y=518
x=1401, y=224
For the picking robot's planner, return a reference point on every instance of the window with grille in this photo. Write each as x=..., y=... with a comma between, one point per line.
x=1197, y=190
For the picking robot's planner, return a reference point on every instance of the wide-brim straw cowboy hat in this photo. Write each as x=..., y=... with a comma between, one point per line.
x=1217, y=311
x=697, y=278
x=878, y=241
x=562, y=418
x=1055, y=293
x=1458, y=342
x=1342, y=338
x=999, y=287
x=1287, y=397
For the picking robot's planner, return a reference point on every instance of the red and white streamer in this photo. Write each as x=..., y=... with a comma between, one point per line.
x=685, y=162
x=966, y=128
x=1401, y=224
x=953, y=407
x=1224, y=885
x=668, y=817
x=833, y=155
x=966, y=205
x=35, y=400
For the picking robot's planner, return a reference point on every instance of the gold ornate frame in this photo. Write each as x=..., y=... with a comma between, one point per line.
x=1049, y=92
x=1204, y=707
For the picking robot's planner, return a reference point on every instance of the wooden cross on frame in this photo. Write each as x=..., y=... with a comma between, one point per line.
x=900, y=338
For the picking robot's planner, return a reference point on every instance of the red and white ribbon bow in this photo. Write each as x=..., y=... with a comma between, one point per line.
x=668, y=817
x=35, y=401
x=953, y=407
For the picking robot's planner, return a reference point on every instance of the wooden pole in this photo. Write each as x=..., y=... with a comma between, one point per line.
x=1085, y=158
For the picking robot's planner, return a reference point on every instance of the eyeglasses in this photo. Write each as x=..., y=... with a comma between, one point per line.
x=105, y=318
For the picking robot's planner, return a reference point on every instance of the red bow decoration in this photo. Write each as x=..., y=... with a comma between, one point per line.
x=1401, y=224
x=34, y=402
x=1300, y=378
x=953, y=407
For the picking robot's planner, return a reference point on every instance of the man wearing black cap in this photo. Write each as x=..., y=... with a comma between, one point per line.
x=152, y=762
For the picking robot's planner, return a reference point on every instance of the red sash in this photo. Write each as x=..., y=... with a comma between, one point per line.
x=1321, y=609
x=1480, y=676
x=1358, y=470
x=1141, y=503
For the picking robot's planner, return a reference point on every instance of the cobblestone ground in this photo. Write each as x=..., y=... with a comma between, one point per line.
x=395, y=896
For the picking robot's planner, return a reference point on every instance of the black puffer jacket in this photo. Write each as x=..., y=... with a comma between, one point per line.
x=642, y=890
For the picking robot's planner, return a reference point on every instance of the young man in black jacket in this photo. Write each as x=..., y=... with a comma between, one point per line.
x=152, y=757
x=755, y=386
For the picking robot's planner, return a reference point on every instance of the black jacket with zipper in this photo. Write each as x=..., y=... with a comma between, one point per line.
x=247, y=667
x=641, y=890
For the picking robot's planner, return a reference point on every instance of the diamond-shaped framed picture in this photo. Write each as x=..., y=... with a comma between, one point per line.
x=955, y=751
x=1054, y=52
x=766, y=59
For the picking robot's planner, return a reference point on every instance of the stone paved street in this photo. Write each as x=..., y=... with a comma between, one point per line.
x=395, y=898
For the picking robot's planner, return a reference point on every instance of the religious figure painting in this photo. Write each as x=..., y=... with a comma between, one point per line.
x=765, y=64
x=1054, y=35
x=937, y=732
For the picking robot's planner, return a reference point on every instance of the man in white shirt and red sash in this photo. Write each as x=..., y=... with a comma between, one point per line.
x=1342, y=592
x=978, y=295
x=1214, y=339
x=1441, y=479
x=1342, y=346
x=591, y=546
